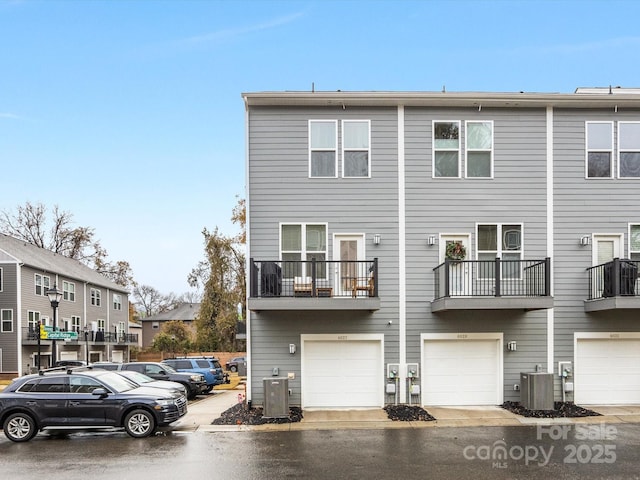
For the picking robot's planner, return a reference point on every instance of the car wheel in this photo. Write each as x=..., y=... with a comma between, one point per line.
x=139, y=423
x=20, y=427
x=233, y=368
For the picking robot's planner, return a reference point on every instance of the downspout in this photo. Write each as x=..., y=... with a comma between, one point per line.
x=402, y=253
x=550, y=237
x=247, y=268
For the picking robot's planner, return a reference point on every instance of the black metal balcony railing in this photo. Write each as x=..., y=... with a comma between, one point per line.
x=492, y=278
x=314, y=278
x=618, y=277
x=31, y=334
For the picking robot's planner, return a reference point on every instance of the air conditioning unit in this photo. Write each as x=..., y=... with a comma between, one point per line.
x=276, y=397
x=536, y=390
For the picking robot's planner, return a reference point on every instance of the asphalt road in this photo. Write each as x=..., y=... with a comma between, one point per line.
x=556, y=452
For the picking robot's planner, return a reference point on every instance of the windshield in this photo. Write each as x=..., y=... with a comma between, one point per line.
x=136, y=376
x=117, y=382
x=169, y=368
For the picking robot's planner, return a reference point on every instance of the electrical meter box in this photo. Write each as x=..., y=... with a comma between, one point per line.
x=413, y=370
x=393, y=370
x=276, y=397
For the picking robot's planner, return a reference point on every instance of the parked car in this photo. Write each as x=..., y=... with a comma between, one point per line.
x=82, y=398
x=208, y=366
x=145, y=381
x=194, y=382
x=232, y=365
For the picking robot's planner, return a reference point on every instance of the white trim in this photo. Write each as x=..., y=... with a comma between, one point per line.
x=463, y=337
x=629, y=251
x=368, y=149
x=491, y=149
x=341, y=337
x=620, y=150
x=402, y=248
x=586, y=150
x=335, y=149
x=550, y=238
x=433, y=148
x=247, y=260
x=619, y=237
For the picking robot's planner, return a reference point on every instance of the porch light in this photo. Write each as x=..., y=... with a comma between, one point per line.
x=431, y=240
x=376, y=239
x=292, y=348
x=585, y=240
x=512, y=346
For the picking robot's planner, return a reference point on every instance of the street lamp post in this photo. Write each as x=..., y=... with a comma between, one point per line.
x=86, y=344
x=55, y=296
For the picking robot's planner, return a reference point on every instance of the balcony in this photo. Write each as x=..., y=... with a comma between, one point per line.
x=492, y=285
x=30, y=337
x=613, y=286
x=313, y=285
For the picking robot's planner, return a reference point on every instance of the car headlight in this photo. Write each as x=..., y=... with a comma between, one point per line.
x=165, y=402
x=196, y=378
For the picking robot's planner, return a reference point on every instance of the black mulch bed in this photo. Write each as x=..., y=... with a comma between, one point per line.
x=241, y=415
x=561, y=409
x=408, y=413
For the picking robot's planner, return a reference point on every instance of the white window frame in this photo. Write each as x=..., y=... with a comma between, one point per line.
x=303, y=245
x=96, y=297
x=102, y=324
x=626, y=150
x=500, y=251
x=633, y=254
x=334, y=149
x=3, y=320
x=356, y=149
x=76, y=323
x=33, y=317
x=434, y=149
x=117, y=301
x=43, y=284
x=468, y=150
x=587, y=150
x=68, y=291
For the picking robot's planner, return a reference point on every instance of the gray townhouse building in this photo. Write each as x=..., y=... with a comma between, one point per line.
x=92, y=315
x=429, y=247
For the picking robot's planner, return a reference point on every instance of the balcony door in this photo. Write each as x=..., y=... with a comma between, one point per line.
x=605, y=249
x=348, y=249
x=459, y=272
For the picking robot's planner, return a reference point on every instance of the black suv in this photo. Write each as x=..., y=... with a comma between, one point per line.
x=82, y=398
x=194, y=382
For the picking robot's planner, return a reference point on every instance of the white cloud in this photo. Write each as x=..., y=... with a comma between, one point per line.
x=9, y=115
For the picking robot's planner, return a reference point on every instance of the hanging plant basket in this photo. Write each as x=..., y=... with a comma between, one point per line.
x=456, y=251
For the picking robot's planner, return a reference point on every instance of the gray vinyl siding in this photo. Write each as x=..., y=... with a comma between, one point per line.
x=584, y=206
x=516, y=194
x=281, y=191
x=9, y=301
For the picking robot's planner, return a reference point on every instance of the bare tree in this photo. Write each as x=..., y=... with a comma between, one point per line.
x=29, y=223
x=151, y=300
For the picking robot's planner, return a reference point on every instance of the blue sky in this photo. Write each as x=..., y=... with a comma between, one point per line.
x=129, y=113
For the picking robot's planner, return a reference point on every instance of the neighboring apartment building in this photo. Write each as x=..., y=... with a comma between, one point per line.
x=152, y=325
x=92, y=306
x=427, y=248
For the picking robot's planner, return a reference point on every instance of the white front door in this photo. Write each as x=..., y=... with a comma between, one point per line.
x=348, y=249
x=459, y=276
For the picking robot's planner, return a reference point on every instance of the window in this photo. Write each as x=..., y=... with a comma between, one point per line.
x=634, y=242
x=629, y=149
x=33, y=318
x=69, y=291
x=43, y=283
x=95, y=297
x=75, y=323
x=117, y=301
x=479, y=154
x=6, y=317
x=599, y=149
x=302, y=242
x=446, y=149
x=503, y=241
x=355, y=148
x=323, y=141
x=101, y=325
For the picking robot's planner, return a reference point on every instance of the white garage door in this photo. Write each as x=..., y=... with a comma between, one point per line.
x=342, y=374
x=607, y=371
x=462, y=372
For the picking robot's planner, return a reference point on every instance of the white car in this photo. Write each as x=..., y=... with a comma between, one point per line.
x=143, y=380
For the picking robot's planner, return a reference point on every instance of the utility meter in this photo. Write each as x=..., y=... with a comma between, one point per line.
x=413, y=370
x=393, y=370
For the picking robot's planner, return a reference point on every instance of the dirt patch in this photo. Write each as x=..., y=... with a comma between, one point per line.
x=560, y=409
x=408, y=413
x=241, y=415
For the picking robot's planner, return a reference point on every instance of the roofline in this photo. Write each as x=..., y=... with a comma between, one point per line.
x=444, y=99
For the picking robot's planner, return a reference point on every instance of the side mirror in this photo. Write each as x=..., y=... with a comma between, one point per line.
x=100, y=392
